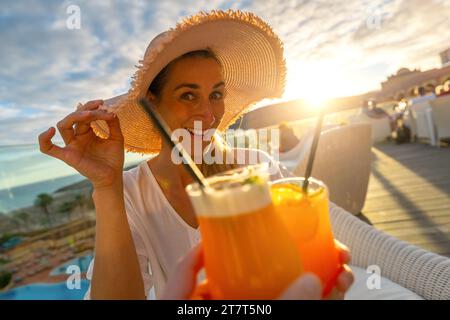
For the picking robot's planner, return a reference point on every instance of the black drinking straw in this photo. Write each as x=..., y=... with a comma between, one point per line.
x=313, y=151
x=166, y=133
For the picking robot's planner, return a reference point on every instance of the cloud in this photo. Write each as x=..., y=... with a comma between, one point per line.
x=7, y=113
x=47, y=69
x=413, y=34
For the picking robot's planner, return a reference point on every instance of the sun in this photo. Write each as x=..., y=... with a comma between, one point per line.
x=316, y=83
x=315, y=96
x=316, y=100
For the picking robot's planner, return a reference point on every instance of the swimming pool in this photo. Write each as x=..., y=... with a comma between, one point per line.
x=82, y=262
x=44, y=291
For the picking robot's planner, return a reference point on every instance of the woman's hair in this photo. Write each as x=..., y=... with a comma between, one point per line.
x=156, y=88
x=161, y=79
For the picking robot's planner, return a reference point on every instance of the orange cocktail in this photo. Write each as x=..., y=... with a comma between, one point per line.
x=248, y=251
x=306, y=215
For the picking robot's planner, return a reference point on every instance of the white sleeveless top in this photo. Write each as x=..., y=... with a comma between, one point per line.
x=160, y=235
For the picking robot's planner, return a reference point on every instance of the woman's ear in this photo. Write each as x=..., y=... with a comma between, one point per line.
x=150, y=96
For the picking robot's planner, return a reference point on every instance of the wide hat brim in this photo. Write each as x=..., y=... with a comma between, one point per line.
x=253, y=66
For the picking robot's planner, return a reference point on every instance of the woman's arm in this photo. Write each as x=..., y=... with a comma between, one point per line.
x=116, y=273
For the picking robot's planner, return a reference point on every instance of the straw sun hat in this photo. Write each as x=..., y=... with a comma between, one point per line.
x=251, y=55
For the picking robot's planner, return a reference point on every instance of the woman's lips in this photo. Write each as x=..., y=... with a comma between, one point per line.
x=198, y=132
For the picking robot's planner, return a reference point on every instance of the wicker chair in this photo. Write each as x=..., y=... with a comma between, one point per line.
x=425, y=273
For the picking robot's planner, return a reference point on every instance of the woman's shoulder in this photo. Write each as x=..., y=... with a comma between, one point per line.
x=131, y=171
x=140, y=195
x=135, y=178
x=134, y=173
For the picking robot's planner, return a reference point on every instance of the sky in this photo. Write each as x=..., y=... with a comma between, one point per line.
x=350, y=46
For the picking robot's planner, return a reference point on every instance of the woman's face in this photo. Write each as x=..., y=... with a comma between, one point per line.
x=194, y=91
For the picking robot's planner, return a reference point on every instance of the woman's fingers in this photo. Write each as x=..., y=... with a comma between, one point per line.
x=345, y=279
x=115, y=132
x=201, y=291
x=344, y=252
x=66, y=129
x=90, y=105
x=335, y=294
x=344, y=256
x=82, y=119
x=343, y=284
x=65, y=126
x=82, y=128
x=46, y=145
x=306, y=287
x=113, y=121
x=340, y=245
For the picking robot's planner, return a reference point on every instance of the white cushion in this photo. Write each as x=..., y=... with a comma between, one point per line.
x=388, y=290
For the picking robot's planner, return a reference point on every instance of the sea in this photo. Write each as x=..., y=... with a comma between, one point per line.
x=25, y=172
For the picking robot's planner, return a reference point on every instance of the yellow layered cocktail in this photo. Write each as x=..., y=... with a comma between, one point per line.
x=306, y=215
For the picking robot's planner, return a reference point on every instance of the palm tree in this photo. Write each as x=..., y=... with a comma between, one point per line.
x=5, y=223
x=80, y=201
x=15, y=222
x=5, y=278
x=23, y=219
x=43, y=201
x=67, y=208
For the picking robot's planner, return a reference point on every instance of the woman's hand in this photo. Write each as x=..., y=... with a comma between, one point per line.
x=99, y=160
x=345, y=278
x=182, y=283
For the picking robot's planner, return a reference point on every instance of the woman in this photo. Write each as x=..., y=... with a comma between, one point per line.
x=195, y=72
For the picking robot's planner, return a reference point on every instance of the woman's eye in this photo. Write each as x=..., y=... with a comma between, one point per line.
x=216, y=95
x=188, y=96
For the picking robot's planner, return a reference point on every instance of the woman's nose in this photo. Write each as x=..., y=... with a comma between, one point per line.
x=205, y=111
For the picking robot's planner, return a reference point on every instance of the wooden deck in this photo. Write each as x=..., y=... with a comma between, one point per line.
x=409, y=194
